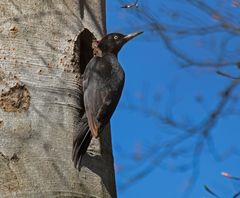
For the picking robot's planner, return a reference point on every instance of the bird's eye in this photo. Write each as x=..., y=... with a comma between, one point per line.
x=115, y=37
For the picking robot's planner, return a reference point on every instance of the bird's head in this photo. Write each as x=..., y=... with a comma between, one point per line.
x=112, y=43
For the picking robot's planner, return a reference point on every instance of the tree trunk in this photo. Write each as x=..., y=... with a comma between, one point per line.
x=44, y=49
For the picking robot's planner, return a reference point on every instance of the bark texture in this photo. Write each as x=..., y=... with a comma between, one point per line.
x=44, y=49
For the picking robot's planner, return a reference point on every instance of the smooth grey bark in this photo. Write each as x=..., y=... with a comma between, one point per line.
x=42, y=56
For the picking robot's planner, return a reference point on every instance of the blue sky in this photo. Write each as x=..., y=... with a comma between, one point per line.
x=155, y=81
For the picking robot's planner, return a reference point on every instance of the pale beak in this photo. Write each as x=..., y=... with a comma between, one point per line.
x=131, y=36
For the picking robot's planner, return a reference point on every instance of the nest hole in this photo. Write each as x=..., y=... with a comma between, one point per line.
x=83, y=51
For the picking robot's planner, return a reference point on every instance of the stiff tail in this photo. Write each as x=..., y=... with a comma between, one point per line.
x=81, y=142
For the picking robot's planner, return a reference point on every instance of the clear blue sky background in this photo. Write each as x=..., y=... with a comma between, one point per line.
x=155, y=80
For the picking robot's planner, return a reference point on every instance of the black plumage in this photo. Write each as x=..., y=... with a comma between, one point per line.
x=103, y=81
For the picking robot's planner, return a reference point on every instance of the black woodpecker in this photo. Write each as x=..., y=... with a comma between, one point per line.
x=103, y=81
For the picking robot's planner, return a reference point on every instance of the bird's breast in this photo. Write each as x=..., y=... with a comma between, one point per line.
x=105, y=73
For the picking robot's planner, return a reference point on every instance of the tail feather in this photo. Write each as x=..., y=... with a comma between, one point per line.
x=80, y=143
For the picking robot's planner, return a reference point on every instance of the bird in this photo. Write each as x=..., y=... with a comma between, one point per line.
x=103, y=81
x=130, y=5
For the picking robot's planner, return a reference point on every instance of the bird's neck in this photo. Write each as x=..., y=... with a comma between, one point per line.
x=109, y=53
x=109, y=50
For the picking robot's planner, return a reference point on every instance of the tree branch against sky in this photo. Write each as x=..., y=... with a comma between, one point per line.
x=202, y=37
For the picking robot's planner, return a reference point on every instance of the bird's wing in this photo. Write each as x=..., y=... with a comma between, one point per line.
x=93, y=124
x=93, y=100
x=101, y=95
